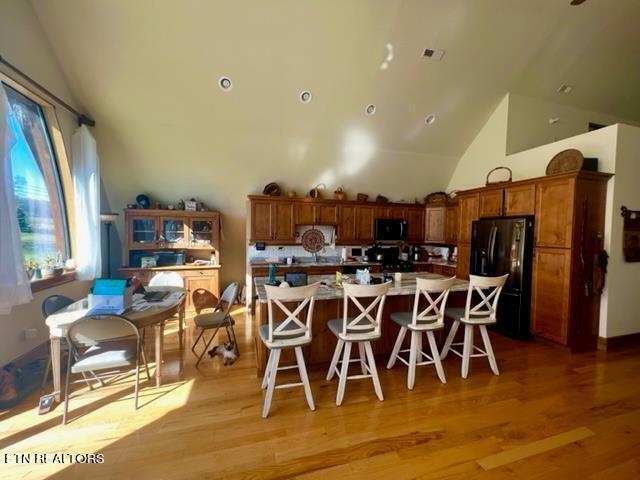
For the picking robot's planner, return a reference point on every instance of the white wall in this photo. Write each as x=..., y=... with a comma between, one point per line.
x=616, y=148
x=623, y=305
x=528, y=122
x=23, y=44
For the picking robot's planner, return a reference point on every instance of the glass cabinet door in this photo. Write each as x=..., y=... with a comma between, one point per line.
x=143, y=231
x=173, y=231
x=202, y=233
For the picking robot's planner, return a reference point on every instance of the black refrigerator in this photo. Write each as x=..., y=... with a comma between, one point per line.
x=505, y=245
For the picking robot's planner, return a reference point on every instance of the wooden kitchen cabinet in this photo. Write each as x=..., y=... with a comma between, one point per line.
x=468, y=212
x=383, y=212
x=490, y=203
x=261, y=227
x=315, y=214
x=327, y=214
x=451, y=225
x=305, y=213
x=554, y=212
x=364, y=224
x=283, y=226
x=435, y=224
x=520, y=200
x=551, y=293
x=346, y=231
x=415, y=225
x=464, y=261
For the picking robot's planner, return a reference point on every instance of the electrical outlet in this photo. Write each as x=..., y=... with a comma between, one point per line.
x=31, y=334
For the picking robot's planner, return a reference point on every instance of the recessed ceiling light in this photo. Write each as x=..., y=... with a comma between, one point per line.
x=430, y=119
x=433, y=53
x=225, y=84
x=305, y=97
x=564, y=88
x=370, y=110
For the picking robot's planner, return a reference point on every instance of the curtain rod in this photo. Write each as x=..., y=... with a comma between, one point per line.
x=82, y=118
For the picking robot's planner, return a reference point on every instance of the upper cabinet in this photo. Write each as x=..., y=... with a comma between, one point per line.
x=490, y=203
x=415, y=225
x=170, y=229
x=435, y=223
x=261, y=228
x=554, y=212
x=520, y=200
x=306, y=213
x=283, y=228
x=468, y=204
x=347, y=226
x=509, y=201
x=364, y=224
x=451, y=224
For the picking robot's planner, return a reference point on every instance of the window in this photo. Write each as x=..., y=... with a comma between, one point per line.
x=38, y=190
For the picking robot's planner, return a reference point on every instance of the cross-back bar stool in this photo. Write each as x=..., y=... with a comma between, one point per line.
x=480, y=312
x=421, y=321
x=361, y=329
x=289, y=333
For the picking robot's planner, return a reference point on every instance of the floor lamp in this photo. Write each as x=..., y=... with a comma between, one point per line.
x=108, y=219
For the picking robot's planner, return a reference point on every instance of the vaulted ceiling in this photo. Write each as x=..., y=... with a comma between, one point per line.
x=157, y=63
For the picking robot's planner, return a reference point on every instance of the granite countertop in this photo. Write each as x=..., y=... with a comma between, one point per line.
x=318, y=264
x=330, y=292
x=355, y=263
x=438, y=261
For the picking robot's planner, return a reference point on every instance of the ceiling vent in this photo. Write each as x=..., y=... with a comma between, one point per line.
x=433, y=54
x=564, y=88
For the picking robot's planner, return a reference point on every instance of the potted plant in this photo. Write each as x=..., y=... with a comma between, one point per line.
x=33, y=269
x=48, y=266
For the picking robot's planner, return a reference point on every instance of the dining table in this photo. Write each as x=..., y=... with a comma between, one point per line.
x=142, y=315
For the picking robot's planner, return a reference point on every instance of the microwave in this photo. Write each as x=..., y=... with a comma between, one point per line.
x=390, y=230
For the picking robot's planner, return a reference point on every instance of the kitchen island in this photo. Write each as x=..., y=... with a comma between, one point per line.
x=328, y=305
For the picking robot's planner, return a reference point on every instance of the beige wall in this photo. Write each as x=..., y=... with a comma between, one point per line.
x=528, y=122
x=616, y=148
x=623, y=299
x=23, y=43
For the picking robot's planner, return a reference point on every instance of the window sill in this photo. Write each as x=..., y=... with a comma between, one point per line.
x=44, y=283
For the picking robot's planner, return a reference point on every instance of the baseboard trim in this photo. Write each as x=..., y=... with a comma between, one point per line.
x=621, y=341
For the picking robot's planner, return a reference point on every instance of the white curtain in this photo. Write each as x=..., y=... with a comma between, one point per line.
x=15, y=288
x=86, y=189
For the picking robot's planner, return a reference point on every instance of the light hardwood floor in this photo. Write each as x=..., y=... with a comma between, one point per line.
x=549, y=415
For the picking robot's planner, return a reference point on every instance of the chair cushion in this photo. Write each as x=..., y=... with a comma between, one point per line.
x=335, y=325
x=458, y=314
x=213, y=320
x=404, y=319
x=454, y=313
x=263, y=331
x=109, y=354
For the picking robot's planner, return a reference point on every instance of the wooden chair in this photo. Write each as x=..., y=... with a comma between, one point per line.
x=422, y=321
x=217, y=318
x=290, y=333
x=482, y=313
x=105, y=342
x=362, y=330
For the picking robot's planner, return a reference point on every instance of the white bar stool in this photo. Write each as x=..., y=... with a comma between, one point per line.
x=290, y=333
x=361, y=330
x=482, y=313
x=419, y=322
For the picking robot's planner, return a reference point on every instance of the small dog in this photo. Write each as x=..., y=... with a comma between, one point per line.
x=226, y=351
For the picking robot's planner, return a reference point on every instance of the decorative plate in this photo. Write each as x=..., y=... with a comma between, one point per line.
x=313, y=240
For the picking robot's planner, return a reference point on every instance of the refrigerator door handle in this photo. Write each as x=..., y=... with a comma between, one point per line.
x=492, y=244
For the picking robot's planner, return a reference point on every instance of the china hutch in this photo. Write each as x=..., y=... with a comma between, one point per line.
x=186, y=242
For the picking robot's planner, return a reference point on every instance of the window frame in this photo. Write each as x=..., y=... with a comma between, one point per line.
x=65, y=202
